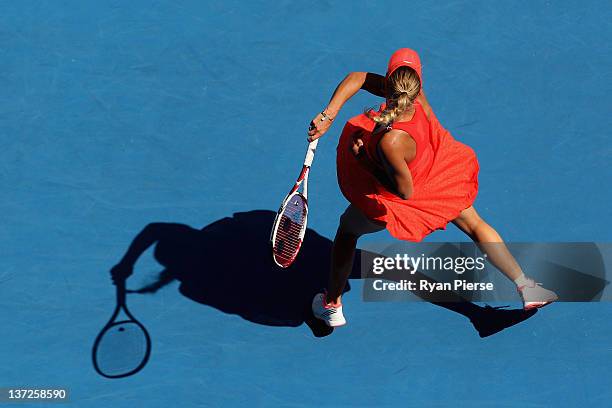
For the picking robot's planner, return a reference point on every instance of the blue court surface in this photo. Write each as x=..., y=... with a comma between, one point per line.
x=190, y=117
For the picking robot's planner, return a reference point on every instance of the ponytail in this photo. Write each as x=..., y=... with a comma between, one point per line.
x=404, y=86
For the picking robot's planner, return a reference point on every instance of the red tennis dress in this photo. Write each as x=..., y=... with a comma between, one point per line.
x=444, y=173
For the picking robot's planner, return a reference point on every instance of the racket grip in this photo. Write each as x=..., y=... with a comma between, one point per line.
x=120, y=288
x=312, y=147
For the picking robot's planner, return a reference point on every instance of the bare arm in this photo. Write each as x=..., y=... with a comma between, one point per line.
x=349, y=86
x=396, y=150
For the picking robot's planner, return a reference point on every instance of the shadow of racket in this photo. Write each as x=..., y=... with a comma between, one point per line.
x=123, y=347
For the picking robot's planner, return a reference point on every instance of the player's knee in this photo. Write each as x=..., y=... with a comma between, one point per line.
x=469, y=221
x=475, y=224
x=466, y=225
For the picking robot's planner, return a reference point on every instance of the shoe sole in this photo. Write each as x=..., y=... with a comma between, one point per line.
x=329, y=324
x=538, y=305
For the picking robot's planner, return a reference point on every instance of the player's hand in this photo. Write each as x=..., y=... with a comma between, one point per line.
x=357, y=146
x=319, y=125
x=121, y=272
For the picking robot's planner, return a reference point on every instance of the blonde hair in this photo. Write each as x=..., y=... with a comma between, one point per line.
x=403, y=87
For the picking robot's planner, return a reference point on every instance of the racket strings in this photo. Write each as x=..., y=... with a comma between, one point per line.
x=122, y=349
x=290, y=225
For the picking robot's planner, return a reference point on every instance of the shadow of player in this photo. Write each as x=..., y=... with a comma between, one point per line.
x=228, y=265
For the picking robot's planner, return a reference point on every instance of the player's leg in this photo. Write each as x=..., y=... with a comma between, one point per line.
x=353, y=224
x=491, y=243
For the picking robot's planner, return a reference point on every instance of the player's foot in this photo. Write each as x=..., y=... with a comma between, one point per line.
x=535, y=296
x=330, y=314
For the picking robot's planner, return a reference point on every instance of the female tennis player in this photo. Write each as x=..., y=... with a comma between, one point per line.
x=401, y=170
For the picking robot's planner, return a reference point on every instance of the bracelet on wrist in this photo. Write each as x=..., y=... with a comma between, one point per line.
x=326, y=116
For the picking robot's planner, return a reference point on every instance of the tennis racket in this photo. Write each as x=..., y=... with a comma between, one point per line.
x=290, y=222
x=123, y=347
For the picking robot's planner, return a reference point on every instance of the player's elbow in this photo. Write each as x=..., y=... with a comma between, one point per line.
x=404, y=192
x=403, y=196
x=357, y=78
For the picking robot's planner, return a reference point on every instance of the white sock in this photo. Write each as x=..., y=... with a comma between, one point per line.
x=522, y=281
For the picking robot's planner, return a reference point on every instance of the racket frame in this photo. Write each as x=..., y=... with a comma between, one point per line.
x=121, y=306
x=302, y=179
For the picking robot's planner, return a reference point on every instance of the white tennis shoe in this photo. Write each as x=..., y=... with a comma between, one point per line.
x=535, y=296
x=330, y=314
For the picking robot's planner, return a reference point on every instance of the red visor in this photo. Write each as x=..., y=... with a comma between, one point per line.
x=405, y=57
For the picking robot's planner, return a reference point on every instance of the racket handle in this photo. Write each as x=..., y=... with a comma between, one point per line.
x=120, y=291
x=312, y=147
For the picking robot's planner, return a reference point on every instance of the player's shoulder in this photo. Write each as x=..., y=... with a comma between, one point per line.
x=394, y=139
